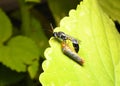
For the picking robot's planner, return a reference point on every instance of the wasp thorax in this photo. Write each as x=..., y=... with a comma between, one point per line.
x=60, y=35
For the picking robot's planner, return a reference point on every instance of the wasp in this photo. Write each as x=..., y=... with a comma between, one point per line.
x=61, y=35
x=71, y=53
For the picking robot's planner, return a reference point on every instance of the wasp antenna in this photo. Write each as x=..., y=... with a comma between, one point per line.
x=51, y=26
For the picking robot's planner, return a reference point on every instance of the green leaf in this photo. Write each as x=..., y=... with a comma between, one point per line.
x=117, y=71
x=112, y=8
x=5, y=27
x=19, y=53
x=31, y=27
x=99, y=47
x=33, y=69
x=38, y=35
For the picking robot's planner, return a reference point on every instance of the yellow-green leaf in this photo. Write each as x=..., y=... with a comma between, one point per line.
x=112, y=8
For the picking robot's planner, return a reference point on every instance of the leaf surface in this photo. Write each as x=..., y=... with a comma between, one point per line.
x=112, y=8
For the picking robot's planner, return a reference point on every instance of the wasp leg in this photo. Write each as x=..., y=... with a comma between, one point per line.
x=71, y=54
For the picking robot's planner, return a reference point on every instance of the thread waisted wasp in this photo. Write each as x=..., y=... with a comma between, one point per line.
x=61, y=35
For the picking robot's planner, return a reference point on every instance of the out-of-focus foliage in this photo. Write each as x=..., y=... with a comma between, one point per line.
x=8, y=77
x=35, y=1
x=60, y=8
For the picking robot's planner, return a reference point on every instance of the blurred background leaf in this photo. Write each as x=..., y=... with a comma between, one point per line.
x=60, y=8
x=4, y=23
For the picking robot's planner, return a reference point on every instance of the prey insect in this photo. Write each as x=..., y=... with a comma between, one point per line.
x=71, y=53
